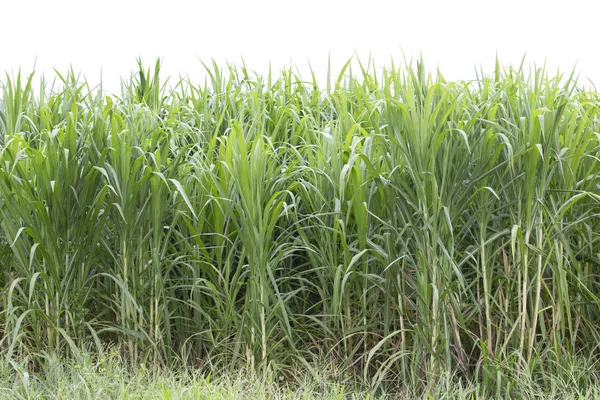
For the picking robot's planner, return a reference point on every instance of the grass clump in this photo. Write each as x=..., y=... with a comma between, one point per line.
x=410, y=228
x=112, y=377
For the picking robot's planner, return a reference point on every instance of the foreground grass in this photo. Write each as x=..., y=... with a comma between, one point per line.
x=110, y=377
x=115, y=382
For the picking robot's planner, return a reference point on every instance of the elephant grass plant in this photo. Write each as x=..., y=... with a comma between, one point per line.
x=406, y=226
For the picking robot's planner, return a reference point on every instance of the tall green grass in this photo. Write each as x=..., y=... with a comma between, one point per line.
x=406, y=226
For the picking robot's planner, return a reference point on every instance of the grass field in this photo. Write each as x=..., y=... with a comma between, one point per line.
x=412, y=234
x=110, y=377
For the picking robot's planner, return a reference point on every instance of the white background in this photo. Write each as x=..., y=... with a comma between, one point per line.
x=103, y=38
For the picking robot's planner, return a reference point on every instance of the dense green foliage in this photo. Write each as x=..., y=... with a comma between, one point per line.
x=110, y=378
x=402, y=224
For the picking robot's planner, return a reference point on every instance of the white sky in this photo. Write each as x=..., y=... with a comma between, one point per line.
x=456, y=35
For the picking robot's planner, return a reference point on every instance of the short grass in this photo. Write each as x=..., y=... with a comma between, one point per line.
x=111, y=377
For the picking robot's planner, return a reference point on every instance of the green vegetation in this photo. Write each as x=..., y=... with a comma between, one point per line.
x=396, y=225
x=109, y=377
